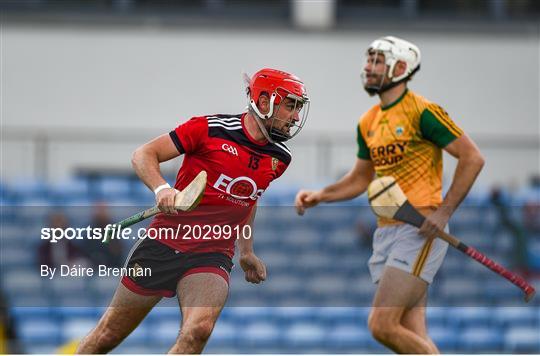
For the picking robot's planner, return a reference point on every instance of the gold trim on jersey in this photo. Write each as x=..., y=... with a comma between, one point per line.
x=443, y=118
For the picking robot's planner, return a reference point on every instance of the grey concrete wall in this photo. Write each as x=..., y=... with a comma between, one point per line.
x=122, y=86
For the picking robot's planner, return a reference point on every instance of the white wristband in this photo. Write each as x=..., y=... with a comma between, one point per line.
x=161, y=187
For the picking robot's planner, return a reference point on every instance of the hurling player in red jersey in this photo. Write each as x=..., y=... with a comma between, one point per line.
x=241, y=154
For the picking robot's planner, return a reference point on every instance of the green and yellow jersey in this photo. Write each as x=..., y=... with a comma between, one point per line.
x=405, y=140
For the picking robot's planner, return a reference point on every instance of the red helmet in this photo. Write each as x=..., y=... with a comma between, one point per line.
x=277, y=85
x=269, y=80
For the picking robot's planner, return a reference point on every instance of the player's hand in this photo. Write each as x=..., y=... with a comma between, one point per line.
x=435, y=223
x=254, y=268
x=165, y=201
x=306, y=199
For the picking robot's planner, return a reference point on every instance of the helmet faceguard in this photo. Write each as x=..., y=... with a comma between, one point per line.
x=394, y=50
x=282, y=89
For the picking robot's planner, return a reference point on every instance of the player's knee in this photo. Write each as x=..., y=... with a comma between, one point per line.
x=381, y=327
x=198, y=332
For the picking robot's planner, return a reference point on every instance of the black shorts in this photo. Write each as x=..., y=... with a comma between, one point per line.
x=155, y=269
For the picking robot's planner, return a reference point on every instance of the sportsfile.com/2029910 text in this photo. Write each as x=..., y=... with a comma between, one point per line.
x=182, y=232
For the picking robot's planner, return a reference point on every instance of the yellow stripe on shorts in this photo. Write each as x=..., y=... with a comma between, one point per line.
x=422, y=258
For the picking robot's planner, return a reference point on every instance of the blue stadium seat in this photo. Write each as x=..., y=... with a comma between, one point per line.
x=460, y=291
x=255, y=299
x=139, y=336
x=348, y=337
x=34, y=207
x=476, y=238
x=327, y=286
x=4, y=190
x=164, y=313
x=286, y=216
x=444, y=338
x=240, y=287
x=466, y=217
x=521, y=339
x=8, y=212
x=164, y=332
x=503, y=242
x=62, y=286
x=261, y=334
x=517, y=316
x=307, y=261
x=11, y=233
x=79, y=213
x=142, y=192
x=41, y=300
x=280, y=286
x=38, y=330
x=63, y=192
x=361, y=290
x=302, y=335
x=342, y=240
x=103, y=286
x=480, y=338
x=280, y=195
x=350, y=265
x=35, y=213
x=40, y=349
x=16, y=256
x=137, y=349
x=533, y=252
x=317, y=263
x=470, y=316
x=452, y=264
x=243, y=315
x=22, y=281
x=24, y=312
x=300, y=239
x=226, y=333
x=437, y=316
x=83, y=202
x=268, y=200
x=290, y=315
x=333, y=316
x=23, y=188
x=75, y=300
x=110, y=188
x=67, y=312
x=526, y=194
x=374, y=347
x=499, y=291
x=77, y=327
x=275, y=260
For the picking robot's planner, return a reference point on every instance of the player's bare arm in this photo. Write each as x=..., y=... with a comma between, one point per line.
x=145, y=162
x=470, y=163
x=254, y=268
x=354, y=183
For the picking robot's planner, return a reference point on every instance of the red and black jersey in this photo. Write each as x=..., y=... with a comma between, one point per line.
x=239, y=170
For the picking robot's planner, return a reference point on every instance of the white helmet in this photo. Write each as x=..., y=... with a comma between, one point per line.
x=396, y=49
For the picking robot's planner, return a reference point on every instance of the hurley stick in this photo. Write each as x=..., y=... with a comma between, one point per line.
x=186, y=200
x=388, y=200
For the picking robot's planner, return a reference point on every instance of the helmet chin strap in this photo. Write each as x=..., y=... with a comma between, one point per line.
x=270, y=136
x=374, y=90
x=259, y=117
x=263, y=129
